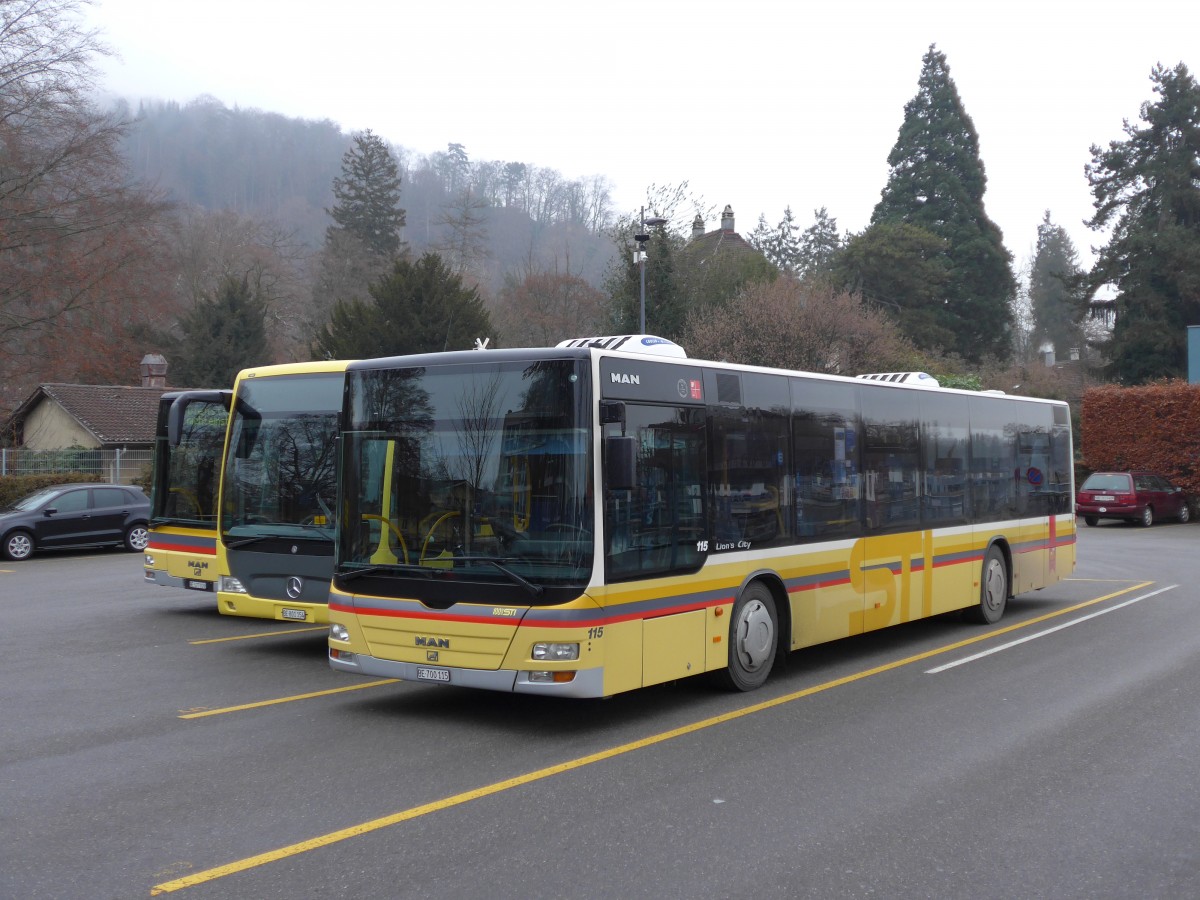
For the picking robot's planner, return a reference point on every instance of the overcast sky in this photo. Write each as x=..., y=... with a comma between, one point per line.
x=755, y=104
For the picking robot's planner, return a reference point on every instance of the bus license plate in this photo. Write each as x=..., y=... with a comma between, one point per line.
x=297, y=614
x=198, y=585
x=426, y=674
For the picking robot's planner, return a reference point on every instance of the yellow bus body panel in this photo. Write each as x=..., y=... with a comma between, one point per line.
x=653, y=631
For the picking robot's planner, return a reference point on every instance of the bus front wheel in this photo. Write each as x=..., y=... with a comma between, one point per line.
x=753, y=639
x=993, y=589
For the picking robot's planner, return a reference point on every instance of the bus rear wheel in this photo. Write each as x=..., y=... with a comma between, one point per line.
x=993, y=589
x=753, y=639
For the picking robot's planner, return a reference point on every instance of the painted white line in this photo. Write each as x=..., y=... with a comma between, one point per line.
x=1030, y=637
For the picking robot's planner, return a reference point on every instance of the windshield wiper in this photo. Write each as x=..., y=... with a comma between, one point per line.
x=392, y=569
x=245, y=542
x=395, y=569
x=321, y=535
x=535, y=589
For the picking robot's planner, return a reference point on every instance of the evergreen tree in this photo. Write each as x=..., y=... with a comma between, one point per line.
x=1147, y=187
x=901, y=268
x=760, y=237
x=936, y=182
x=1054, y=290
x=222, y=334
x=783, y=246
x=664, y=300
x=367, y=196
x=420, y=307
x=819, y=245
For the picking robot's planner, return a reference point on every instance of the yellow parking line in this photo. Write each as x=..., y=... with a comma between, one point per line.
x=415, y=812
x=261, y=634
x=260, y=703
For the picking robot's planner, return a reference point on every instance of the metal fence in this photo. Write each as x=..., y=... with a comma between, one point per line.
x=113, y=466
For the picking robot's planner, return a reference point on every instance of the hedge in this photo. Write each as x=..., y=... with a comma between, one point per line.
x=1155, y=427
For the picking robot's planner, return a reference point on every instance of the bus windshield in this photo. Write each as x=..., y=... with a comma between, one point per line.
x=280, y=476
x=477, y=472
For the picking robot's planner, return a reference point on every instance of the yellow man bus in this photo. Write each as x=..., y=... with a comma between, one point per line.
x=183, y=550
x=608, y=514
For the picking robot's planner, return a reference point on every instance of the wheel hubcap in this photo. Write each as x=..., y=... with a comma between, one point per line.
x=994, y=586
x=755, y=635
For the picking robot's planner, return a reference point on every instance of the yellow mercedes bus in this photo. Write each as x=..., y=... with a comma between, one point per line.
x=183, y=550
x=278, y=484
x=609, y=514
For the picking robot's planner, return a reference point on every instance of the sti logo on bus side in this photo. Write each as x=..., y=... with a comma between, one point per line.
x=441, y=643
x=622, y=378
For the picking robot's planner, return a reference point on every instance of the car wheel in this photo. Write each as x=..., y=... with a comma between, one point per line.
x=1091, y=520
x=993, y=590
x=1147, y=518
x=18, y=545
x=753, y=639
x=1185, y=513
x=136, y=538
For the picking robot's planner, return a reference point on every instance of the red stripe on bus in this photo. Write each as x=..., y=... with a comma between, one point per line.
x=184, y=548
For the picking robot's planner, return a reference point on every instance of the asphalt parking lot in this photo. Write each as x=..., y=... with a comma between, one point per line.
x=152, y=746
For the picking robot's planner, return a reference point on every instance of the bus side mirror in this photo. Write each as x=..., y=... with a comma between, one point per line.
x=620, y=463
x=612, y=412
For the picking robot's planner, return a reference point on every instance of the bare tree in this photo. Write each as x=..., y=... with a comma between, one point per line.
x=75, y=235
x=794, y=325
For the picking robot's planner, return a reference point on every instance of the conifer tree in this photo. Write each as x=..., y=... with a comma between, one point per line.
x=1054, y=290
x=1147, y=187
x=222, y=334
x=367, y=196
x=819, y=245
x=936, y=182
x=420, y=307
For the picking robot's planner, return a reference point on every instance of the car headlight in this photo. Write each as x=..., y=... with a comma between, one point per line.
x=556, y=652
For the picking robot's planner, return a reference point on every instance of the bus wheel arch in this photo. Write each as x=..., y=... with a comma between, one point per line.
x=755, y=634
x=995, y=585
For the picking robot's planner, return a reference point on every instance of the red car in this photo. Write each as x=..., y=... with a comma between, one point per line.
x=1133, y=496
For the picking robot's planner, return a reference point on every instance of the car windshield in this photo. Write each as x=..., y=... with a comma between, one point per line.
x=468, y=471
x=37, y=498
x=1106, y=481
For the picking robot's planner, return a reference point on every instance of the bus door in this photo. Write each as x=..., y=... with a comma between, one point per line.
x=901, y=570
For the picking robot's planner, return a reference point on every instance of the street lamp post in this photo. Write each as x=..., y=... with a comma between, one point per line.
x=642, y=237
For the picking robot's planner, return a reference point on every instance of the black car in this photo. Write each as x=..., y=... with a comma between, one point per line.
x=75, y=515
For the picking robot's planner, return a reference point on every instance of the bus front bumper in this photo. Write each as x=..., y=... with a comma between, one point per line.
x=586, y=683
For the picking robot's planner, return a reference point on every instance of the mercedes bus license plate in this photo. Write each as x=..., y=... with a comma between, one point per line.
x=427, y=674
x=297, y=614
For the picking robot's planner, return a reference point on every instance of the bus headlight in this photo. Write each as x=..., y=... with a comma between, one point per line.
x=339, y=633
x=556, y=652
x=230, y=585
x=149, y=560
